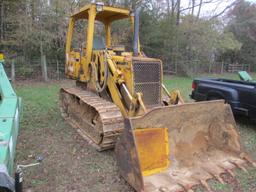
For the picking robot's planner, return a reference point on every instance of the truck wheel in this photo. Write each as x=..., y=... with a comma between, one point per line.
x=2, y=189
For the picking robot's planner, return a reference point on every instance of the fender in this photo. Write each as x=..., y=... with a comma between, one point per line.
x=228, y=94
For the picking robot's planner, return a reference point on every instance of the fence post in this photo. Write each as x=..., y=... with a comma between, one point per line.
x=210, y=67
x=58, y=70
x=222, y=67
x=44, y=68
x=12, y=70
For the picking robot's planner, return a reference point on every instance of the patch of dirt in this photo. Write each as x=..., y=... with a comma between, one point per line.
x=69, y=164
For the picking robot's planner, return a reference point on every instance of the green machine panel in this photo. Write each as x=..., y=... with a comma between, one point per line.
x=9, y=129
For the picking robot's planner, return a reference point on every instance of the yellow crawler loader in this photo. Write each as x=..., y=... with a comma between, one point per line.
x=120, y=101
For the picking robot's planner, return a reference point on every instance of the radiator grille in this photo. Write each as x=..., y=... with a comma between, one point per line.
x=147, y=80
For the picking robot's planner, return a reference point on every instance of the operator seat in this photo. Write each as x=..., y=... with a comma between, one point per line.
x=98, y=43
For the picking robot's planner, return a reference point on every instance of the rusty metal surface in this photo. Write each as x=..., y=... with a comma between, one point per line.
x=97, y=120
x=127, y=158
x=203, y=142
x=147, y=80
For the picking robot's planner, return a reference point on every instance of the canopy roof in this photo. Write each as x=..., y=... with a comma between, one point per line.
x=108, y=14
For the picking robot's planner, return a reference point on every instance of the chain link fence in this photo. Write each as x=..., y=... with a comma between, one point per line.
x=37, y=69
x=192, y=67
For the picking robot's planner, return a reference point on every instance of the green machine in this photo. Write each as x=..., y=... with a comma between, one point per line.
x=9, y=128
x=244, y=76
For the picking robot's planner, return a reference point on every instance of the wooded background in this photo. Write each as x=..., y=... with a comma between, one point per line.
x=187, y=40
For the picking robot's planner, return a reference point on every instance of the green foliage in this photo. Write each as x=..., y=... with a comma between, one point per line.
x=197, y=40
x=122, y=33
x=38, y=27
x=227, y=41
x=242, y=25
x=24, y=71
x=39, y=104
x=41, y=29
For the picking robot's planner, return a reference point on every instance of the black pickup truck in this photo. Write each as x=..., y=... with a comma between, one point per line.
x=241, y=95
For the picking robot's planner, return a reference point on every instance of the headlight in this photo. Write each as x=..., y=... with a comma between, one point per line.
x=99, y=6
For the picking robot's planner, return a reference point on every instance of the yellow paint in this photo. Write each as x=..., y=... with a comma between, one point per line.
x=119, y=13
x=70, y=34
x=1, y=56
x=89, y=12
x=82, y=63
x=108, y=34
x=128, y=76
x=153, y=149
x=115, y=95
x=90, y=33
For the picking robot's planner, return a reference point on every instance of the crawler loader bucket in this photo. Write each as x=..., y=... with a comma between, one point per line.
x=177, y=147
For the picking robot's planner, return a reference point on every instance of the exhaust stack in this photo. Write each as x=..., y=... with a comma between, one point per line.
x=136, y=31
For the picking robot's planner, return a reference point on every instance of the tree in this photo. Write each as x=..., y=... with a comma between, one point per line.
x=242, y=25
x=168, y=30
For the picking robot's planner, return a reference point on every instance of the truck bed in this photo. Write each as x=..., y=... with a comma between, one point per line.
x=241, y=95
x=228, y=82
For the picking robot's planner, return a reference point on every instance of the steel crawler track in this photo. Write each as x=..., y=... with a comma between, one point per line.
x=99, y=121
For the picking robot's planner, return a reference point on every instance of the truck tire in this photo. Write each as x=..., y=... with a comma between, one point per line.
x=214, y=97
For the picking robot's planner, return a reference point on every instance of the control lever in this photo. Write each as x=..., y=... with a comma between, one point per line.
x=19, y=173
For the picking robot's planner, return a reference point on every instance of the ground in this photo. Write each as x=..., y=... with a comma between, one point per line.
x=70, y=164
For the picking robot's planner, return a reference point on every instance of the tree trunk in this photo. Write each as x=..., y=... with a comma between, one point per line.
x=173, y=8
x=199, y=8
x=44, y=68
x=178, y=13
x=193, y=7
x=168, y=7
x=2, y=20
x=43, y=58
x=32, y=7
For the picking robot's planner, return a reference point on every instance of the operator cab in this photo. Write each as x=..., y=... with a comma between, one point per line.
x=93, y=23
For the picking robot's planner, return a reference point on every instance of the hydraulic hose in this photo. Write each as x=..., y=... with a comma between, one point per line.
x=100, y=88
